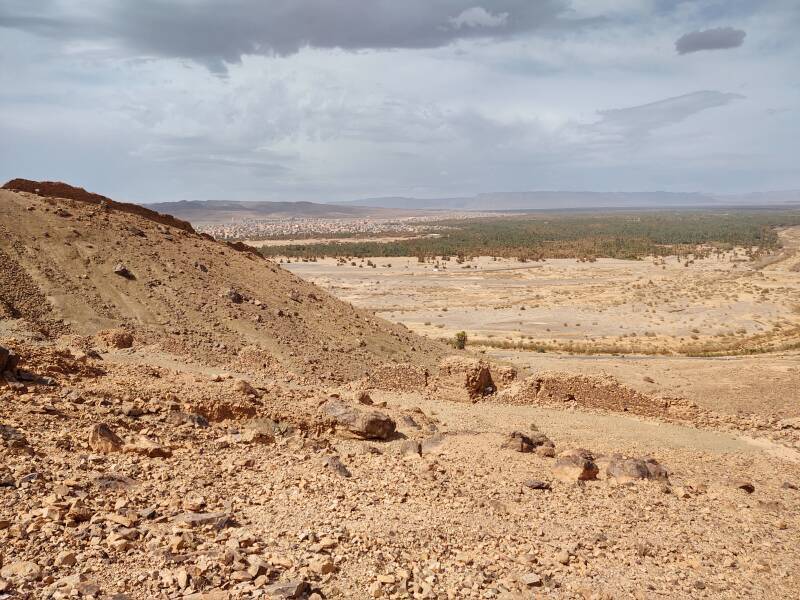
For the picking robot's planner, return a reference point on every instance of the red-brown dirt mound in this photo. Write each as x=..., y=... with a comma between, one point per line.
x=94, y=270
x=57, y=189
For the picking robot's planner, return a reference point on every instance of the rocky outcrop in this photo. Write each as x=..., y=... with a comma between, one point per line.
x=364, y=424
x=626, y=469
x=56, y=189
x=462, y=379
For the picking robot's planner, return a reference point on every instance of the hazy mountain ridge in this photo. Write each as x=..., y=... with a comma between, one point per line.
x=200, y=211
x=571, y=200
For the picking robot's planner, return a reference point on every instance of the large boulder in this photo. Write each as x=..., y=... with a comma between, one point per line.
x=147, y=447
x=575, y=465
x=526, y=443
x=364, y=424
x=626, y=470
x=623, y=469
x=21, y=570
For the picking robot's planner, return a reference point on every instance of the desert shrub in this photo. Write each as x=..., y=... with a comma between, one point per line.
x=460, y=340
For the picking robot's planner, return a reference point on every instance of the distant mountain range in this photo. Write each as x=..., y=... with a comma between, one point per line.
x=582, y=200
x=220, y=211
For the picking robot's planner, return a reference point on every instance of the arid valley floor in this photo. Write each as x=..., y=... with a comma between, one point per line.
x=685, y=325
x=182, y=418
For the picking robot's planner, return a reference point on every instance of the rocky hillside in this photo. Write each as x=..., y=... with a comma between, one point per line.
x=82, y=263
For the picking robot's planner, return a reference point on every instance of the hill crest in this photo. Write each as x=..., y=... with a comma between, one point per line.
x=182, y=292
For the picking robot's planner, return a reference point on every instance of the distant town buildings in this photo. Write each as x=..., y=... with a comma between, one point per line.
x=300, y=227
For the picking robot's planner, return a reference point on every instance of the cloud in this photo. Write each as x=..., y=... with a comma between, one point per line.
x=118, y=97
x=639, y=121
x=478, y=16
x=720, y=38
x=214, y=33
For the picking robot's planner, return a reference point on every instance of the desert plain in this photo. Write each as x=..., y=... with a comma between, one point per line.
x=664, y=325
x=181, y=418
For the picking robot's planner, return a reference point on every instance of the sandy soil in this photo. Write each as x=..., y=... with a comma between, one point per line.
x=645, y=315
x=636, y=305
x=762, y=384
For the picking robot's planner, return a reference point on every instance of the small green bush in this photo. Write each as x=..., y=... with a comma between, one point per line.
x=460, y=340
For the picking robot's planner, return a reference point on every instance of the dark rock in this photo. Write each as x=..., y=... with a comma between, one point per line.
x=363, y=397
x=408, y=421
x=179, y=418
x=232, y=295
x=8, y=360
x=519, y=442
x=535, y=484
x=123, y=271
x=526, y=443
x=287, y=589
x=14, y=439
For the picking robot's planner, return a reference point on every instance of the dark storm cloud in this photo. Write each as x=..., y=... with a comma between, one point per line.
x=211, y=32
x=720, y=38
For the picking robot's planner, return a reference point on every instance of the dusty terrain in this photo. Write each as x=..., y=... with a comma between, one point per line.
x=652, y=306
x=665, y=327
x=169, y=431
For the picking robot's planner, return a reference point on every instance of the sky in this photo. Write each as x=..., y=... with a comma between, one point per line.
x=323, y=100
